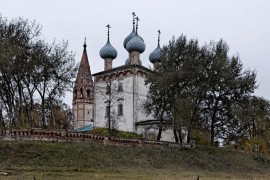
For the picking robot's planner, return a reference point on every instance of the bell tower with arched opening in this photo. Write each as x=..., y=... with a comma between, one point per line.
x=83, y=102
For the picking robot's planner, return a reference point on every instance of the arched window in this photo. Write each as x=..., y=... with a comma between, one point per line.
x=120, y=87
x=81, y=92
x=88, y=92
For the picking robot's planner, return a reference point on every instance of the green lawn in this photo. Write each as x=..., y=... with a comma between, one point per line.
x=86, y=160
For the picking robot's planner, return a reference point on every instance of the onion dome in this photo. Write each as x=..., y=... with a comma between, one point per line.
x=156, y=54
x=108, y=51
x=136, y=44
x=128, y=38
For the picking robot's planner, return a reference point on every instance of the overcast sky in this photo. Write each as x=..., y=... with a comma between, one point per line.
x=243, y=24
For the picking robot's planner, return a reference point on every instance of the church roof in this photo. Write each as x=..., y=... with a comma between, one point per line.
x=128, y=38
x=84, y=71
x=156, y=54
x=136, y=44
x=152, y=122
x=123, y=67
x=86, y=128
x=108, y=51
x=84, y=59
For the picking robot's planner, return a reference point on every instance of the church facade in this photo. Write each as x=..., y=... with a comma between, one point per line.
x=116, y=95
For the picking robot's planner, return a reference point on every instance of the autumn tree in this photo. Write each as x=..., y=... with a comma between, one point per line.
x=199, y=85
x=253, y=114
x=29, y=65
x=157, y=103
x=176, y=87
x=228, y=83
x=54, y=70
x=16, y=42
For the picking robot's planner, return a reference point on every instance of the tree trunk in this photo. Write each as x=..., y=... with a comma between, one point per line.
x=43, y=112
x=189, y=135
x=212, y=131
x=213, y=121
x=175, y=135
x=180, y=135
x=254, y=133
x=174, y=128
x=159, y=131
x=249, y=131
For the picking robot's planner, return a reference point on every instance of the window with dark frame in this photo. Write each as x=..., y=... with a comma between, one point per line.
x=120, y=87
x=120, y=109
x=88, y=92
x=108, y=89
x=81, y=91
x=107, y=111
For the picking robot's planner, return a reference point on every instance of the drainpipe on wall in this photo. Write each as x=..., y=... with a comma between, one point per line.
x=94, y=104
x=133, y=98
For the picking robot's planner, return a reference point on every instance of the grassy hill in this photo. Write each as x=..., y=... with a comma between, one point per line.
x=84, y=160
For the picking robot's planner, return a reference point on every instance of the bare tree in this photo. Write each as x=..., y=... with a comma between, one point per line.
x=111, y=92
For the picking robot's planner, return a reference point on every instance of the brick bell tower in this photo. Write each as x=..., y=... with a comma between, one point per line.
x=83, y=94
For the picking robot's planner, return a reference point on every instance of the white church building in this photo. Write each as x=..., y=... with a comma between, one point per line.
x=116, y=95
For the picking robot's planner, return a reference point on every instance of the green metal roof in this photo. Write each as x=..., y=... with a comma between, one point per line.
x=85, y=128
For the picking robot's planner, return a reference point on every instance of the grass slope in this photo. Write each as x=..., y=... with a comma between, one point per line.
x=90, y=160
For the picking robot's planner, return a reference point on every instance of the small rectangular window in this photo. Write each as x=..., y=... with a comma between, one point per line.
x=108, y=89
x=107, y=111
x=120, y=87
x=120, y=109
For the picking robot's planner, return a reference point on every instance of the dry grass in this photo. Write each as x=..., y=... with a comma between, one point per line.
x=84, y=160
x=146, y=174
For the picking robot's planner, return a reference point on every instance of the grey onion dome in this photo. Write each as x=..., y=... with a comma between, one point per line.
x=155, y=55
x=108, y=51
x=128, y=38
x=136, y=44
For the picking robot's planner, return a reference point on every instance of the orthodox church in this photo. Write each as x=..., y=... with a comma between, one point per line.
x=114, y=97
